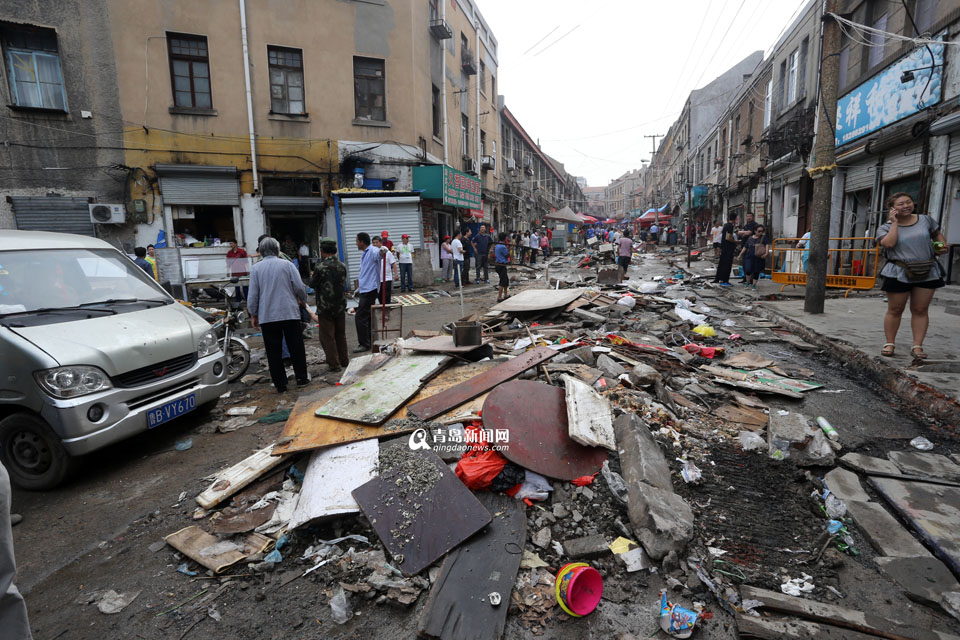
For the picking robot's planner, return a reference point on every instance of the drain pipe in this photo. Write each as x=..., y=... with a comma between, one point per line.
x=246, y=80
x=443, y=83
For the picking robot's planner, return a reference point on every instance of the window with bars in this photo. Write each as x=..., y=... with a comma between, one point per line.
x=33, y=67
x=369, y=86
x=190, y=70
x=876, y=40
x=792, y=76
x=286, y=81
x=768, y=104
x=483, y=78
x=465, y=135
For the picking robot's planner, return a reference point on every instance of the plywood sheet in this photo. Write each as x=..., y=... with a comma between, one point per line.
x=537, y=300
x=374, y=398
x=304, y=430
x=418, y=507
x=458, y=607
x=444, y=344
x=752, y=419
x=589, y=418
x=535, y=417
x=332, y=474
x=233, y=479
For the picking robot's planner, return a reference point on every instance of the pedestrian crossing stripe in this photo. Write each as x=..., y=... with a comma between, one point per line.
x=410, y=300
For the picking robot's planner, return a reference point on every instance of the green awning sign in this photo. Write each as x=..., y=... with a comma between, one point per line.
x=452, y=187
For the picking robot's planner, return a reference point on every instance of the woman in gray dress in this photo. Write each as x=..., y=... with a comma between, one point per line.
x=911, y=243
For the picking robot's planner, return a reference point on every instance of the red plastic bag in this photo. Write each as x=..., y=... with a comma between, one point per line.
x=583, y=481
x=478, y=467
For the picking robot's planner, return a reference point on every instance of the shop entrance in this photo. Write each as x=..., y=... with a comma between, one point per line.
x=204, y=222
x=294, y=229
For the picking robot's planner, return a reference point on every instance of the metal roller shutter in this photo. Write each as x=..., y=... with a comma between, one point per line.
x=397, y=216
x=860, y=177
x=953, y=157
x=50, y=213
x=902, y=162
x=195, y=184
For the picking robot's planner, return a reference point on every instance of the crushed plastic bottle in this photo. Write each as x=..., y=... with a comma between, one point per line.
x=749, y=440
x=827, y=428
x=835, y=507
x=690, y=473
x=340, y=607
x=921, y=443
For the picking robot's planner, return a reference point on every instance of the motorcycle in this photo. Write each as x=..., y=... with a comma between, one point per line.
x=225, y=323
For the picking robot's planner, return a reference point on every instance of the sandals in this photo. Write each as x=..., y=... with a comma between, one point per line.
x=917, y=352
x=887, y=349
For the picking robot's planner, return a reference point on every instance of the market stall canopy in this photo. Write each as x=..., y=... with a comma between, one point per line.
x=565, y=214
x=655, y=215
x=587, y=219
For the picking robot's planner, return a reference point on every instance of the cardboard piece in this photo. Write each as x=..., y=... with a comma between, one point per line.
x=536, y=300
x=213, y=553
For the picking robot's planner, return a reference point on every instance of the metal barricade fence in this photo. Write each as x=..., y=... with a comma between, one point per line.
x=852, y=263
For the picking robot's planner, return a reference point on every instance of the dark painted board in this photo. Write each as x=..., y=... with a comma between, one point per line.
x=931, y=510
x=419, y=520
x=786, y=628
x=535, y=417
x=445, y=400
x=458, y=607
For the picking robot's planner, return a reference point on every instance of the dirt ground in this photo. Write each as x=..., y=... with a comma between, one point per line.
x=96, y=532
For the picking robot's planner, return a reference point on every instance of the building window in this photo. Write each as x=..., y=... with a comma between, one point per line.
x=464, y=45
x=33, y=67
x=802, y=68
x=434, y=10
x=436, y=111
x=465, y=135
x=792, y=76
x=483, y=78
x=483, y=143
x=876, y=42
x=286, y=80
x=844, y=67
x=782, y=86
x=924, y=14
x=493, y=88
x=369, y=89
x=767, y=104
x=190, y=70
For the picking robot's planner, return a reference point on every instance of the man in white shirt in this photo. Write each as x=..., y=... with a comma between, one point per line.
x=386, y=287
x=716, y=234
x=404, y=252
x=458, y=254
x=534, y=247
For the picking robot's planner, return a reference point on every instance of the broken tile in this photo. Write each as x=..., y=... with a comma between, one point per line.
x=542, y=538
x=883, y=531
x=923, y=579
x=846, y=485
x=589, y=547
x=932, y=465
x=869, y=464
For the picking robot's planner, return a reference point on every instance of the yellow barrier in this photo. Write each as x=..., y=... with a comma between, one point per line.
x=853, y=264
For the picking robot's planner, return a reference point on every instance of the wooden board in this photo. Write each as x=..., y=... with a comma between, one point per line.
x=232, y=479
x=781, y=628
x=586, y=373
x=931, y=511
x=211, y=552
x=536, y=300
x=444, y=344
x=332, y=474
x=746, y=360
x=840, y=616
x=752, y=419
x=458, y=607
x=304, y=431
x=535, y=417
x=442, y=402
x=418, y=507
x=374, y=398
x=589, y=417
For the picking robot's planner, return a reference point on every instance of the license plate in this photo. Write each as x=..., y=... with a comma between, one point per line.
x=171, y=410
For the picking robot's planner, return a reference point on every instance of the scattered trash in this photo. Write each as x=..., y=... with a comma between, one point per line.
x=921, y=443
x=276, y=416
x=112, y=602
x=705, y=330
x=184, y=569
x=834, y=506
x=828, y=429
x=183, y=445
x=690, y=473
x=242, y=411
x=213, y=613
x=614, y=482
x=494, y=599
x=579, y=588
x=676, y=620
x=340, y=607
x=798, y=586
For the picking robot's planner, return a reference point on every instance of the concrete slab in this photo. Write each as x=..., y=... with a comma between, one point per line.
x=932, y=465
x=923, y=579
x=586, y=548
x=884, y=532
x=641, y=459
x=869, y=464
x=662, y=520
x=846, y=486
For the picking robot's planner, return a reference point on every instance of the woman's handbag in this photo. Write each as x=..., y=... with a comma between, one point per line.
x=760, y=251
x=917, y=269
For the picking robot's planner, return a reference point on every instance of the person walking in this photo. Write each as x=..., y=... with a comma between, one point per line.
x=385, y=294
x=544, y=244
x=911, y=242
x=716, y=234
x=481, y=248
x=303, y=259
x=728, y=244
x=804, y=243
x=329, y=282
x=467, y=247
x=625, y=251
x=754, y=255
x=446, y=259
x=458, y=254
x=654, y=234
x=276, y=297
x=141, y=260
x=744, y=234
x=13, y=610
x=501, y=256
x=534, y=247
x=405, y=261
x=152, y=259
x=367, y=285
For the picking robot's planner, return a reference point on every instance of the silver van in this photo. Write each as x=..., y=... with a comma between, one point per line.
x=92, y=351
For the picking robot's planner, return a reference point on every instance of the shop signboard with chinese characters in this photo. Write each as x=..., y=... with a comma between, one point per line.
x=452, y=187
x=909, y=85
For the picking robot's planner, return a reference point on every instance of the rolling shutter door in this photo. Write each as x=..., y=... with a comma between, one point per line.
x=897, y=164
x=860, y=177
x=195, y=184
x=50, y=213
x=398, y=215
x=953, y=158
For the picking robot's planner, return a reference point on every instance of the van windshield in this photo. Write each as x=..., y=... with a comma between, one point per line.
x=52, y=279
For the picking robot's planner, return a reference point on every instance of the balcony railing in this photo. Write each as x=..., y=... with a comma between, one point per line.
x=468, y=62
x=440, y=30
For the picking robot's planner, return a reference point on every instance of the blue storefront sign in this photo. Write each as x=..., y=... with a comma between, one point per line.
x=884, y=99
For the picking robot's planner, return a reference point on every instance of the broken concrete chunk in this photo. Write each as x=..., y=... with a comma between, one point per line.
x=589, y=417
x=662, y=519
x=884, y=533
x=560, y=511
x=542, y=538
x=589, y=316
x=923, y=579
x=846, y=486
x=635, y=560
x=641, y=459
x=610, y=367
x=644, y=374
x=589, y=547
x=869, y=464
x=112, y=602
x=932, y=465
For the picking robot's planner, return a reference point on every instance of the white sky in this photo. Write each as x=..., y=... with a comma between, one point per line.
x=607, y=72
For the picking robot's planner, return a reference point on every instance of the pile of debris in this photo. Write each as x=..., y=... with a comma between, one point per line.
x=618, y=426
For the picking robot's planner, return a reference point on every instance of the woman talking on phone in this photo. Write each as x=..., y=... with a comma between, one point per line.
x=910, y=242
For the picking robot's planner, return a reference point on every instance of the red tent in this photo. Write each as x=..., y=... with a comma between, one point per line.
x=587, y=219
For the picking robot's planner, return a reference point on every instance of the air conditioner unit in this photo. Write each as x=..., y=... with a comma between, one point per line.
x=470, y=166
x=107, y=213
x=488, y=162
x=511, y=164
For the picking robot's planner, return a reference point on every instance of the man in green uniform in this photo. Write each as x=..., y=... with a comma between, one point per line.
x=329, y=282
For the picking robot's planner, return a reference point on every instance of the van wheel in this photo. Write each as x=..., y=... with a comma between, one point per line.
x=32, y=453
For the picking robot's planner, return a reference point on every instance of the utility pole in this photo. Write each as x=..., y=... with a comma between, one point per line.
x=825, y=162
x=654, y=146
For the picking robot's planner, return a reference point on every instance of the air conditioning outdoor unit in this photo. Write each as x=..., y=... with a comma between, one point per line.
x=471, y=165
x=488, y=162
x=107, y=213
x=511, y=164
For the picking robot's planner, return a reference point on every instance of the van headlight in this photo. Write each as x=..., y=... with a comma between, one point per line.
x=208, y=344
x=70, y=382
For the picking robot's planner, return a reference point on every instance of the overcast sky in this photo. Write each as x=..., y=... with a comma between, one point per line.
x=590, y=79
